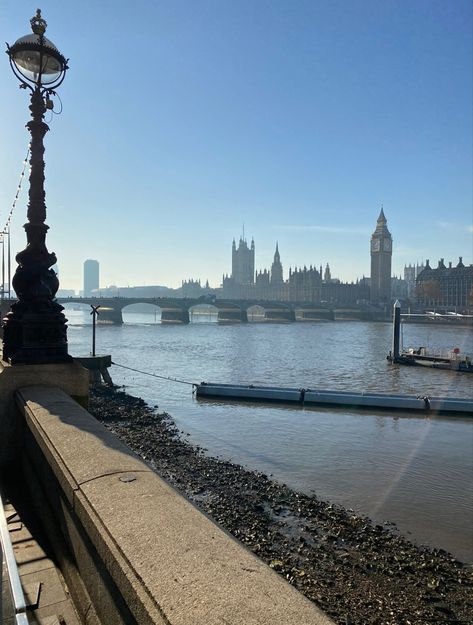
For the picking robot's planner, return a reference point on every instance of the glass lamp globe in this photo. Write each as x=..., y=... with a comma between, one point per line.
x=35, y=58
x=38, y=62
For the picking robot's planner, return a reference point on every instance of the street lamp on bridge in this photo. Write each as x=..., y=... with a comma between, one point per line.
x=35, y=328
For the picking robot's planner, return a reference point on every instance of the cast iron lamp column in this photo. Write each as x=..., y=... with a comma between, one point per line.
x=34, y=331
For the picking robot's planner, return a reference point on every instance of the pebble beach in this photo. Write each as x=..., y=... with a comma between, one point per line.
x=359, y=573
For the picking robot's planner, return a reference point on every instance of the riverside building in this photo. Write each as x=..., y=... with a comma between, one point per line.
x=448, y=287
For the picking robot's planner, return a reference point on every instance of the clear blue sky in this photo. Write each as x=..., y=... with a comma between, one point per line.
x=184, y=119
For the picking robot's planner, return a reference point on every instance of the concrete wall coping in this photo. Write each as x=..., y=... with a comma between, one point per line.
x=70, y=377
x=171, y=563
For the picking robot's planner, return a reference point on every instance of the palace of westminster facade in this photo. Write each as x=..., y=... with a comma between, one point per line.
x=308, y=284
x=304, y=284
x=450, y=286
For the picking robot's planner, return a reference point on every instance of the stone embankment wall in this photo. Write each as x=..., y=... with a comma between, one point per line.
x=71, y=378
x=142, y=553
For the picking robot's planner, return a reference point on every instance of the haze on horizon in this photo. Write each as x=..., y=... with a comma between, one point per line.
x=183, y=120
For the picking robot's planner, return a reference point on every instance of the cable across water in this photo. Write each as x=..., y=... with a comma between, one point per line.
x=155, y=375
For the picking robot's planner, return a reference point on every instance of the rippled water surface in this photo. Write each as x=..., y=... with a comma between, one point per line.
x=412, y=470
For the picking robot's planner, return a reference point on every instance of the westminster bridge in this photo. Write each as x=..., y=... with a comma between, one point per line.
x=179, y=310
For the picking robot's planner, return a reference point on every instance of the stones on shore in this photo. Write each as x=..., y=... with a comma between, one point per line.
x=357, y=572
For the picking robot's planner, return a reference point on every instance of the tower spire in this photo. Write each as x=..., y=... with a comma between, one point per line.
x=381, y=215
x=276, y=254
x=276, y=268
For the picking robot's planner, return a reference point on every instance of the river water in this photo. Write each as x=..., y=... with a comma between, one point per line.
x=409, y=469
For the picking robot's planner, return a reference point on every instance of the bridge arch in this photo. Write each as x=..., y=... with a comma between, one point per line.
x=256, y=313
x=77, y=313
x=141, y=312
x=110, y=310
x=203, y=313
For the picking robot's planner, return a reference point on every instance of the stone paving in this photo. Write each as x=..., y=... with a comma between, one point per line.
x=44, y=588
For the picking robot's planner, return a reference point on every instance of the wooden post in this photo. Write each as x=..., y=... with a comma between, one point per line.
x=396, y=330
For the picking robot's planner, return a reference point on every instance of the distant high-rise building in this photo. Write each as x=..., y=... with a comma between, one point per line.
x=243, y=262
x=276, y=268
x=91, y=276
x=381, y=253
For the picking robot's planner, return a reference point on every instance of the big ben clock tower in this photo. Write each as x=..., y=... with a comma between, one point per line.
x=381, y=253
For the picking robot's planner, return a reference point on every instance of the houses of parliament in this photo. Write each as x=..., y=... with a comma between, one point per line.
x=310, y=284
x=443, y=286
x=304, y=284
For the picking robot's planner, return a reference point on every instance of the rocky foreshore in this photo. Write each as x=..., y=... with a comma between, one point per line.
x=357, y=572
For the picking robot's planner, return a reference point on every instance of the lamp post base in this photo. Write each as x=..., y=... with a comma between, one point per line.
x=35, y=338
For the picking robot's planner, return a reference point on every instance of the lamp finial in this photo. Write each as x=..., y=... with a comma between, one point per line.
x=38, y=24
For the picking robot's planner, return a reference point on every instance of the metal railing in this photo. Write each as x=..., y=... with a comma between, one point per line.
x=7, y=558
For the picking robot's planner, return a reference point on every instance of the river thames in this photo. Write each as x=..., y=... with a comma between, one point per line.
x=414, y=471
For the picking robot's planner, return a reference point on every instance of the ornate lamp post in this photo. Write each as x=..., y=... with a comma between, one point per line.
x=35, y=328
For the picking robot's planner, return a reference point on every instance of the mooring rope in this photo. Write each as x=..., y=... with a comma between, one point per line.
x=155, y=375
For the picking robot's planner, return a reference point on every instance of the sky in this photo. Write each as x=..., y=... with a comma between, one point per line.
x=184, y=120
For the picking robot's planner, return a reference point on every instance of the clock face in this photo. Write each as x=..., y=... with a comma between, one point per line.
x=387, y=245
x=375, y=245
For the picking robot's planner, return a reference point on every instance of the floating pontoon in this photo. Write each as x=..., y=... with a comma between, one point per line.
x=315, y=397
